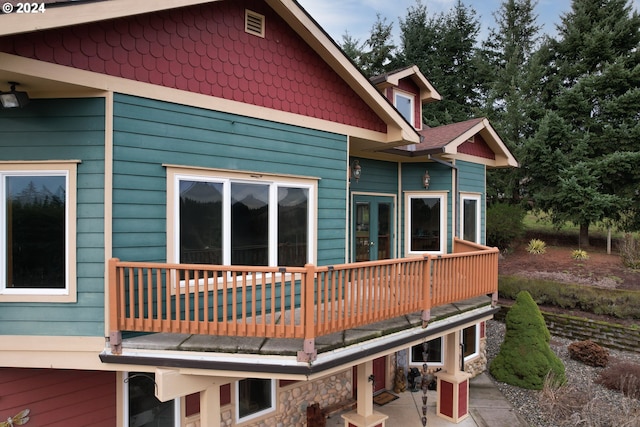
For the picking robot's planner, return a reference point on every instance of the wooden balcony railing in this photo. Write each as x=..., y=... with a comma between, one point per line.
x=292, y=302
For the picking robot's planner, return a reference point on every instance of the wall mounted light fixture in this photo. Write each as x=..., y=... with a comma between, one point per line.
x=14, y=98
x=426, y=179
x=356, y=170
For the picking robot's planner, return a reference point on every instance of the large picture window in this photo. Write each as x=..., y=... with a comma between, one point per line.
x=231, y=221
x=426, y=224
x=37, y=232
x=255, y=397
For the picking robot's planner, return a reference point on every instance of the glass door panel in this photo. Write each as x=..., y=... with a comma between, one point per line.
x=363, y=225
x=373, y=228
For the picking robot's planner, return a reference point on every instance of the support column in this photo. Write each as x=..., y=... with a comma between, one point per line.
x=210, y=406
x=364, y=415
x=453, y=383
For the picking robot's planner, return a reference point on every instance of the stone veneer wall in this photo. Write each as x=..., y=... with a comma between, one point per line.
x=611, y=335
x=294, y=399
x=478, y=365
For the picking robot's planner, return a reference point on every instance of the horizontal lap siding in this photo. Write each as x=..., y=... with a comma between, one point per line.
x=59, y=398
x=64, y=129
x=472, y=180
x=150, y=133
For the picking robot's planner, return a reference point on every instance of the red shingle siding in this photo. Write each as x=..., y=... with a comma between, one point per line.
x=478, y=148
x=59, y=398
x=204, y=49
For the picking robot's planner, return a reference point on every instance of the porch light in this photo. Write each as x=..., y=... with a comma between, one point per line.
x=426, y=179
x=14, y=98
x=356, y=170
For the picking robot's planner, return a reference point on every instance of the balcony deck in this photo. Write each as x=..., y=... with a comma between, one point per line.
x=298, y=319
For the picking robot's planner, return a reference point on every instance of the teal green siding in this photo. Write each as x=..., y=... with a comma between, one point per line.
x=377, y=177
x=148, y=134
x=472, y=180
x=64, y=129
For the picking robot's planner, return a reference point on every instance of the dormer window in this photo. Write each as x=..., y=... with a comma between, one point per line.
x=404, y=104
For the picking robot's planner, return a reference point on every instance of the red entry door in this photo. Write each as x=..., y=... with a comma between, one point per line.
x=379, y=375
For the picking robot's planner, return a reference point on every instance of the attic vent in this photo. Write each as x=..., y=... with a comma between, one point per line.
x=254, y=23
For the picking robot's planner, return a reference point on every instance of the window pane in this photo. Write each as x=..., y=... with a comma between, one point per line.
x=470, y=209
x=200, y=222
x=36, y=231
x=404, y=106
x=254, y=395
x=249, y=224
x=434, y=347
x=145, y=410
x=293, y=226
x=425, y=224
x=469, y=340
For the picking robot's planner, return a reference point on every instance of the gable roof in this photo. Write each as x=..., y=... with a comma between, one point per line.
x=450, y=140
x=398, y=131
x=392, y=78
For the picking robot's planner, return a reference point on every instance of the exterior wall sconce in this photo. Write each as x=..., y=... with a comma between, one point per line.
x=14, y=98
x=356, y=170
x=426, y=179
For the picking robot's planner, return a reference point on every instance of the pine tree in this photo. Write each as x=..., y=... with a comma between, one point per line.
x=592, y=82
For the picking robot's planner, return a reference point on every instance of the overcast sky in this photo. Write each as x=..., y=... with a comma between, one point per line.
x=358, y=16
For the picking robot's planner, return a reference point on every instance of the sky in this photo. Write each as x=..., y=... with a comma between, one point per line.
x=358, y=16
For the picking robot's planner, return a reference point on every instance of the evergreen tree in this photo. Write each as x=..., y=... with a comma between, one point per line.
x=592, y=83
x=352, y=48
x=381, y=50
x=508, y=93
x=525, y=358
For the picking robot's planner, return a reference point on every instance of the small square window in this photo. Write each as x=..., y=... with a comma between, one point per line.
x=255, y=397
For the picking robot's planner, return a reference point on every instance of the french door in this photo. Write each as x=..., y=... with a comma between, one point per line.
x=373, y=236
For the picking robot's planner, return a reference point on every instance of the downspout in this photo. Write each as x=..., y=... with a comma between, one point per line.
x=456, y=194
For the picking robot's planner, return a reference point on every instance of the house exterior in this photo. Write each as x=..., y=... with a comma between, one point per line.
x=211, y=218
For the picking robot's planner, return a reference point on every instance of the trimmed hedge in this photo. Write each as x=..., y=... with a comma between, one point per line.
x=621, y=304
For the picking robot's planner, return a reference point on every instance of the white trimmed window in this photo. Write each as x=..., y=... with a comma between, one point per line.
x=37, y=231
x=142, y=408
x=404, y=104
x=255, y=397
x=471, y=342
x=470, y=217
x=426, y=225
x=435, y=353
x=241, y=219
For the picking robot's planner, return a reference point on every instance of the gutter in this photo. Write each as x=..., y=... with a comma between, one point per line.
x=289, y=366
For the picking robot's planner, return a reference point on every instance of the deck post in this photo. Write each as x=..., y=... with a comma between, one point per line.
x=364, y=415
x=115, y=335
x=453, y=383
x=309, y=352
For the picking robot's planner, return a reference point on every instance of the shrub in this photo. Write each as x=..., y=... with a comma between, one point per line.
x=579, y=254
x=623, y=377
x=525, y=358
x=505, y=223
x=589, y=353
x=536, y=247
x=630, y=251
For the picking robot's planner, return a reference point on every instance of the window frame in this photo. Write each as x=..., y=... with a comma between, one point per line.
x=478, y=199
x=409, y=196
x=67, y=169
x=226, y=178
x=261, y=413
x=412, y=100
